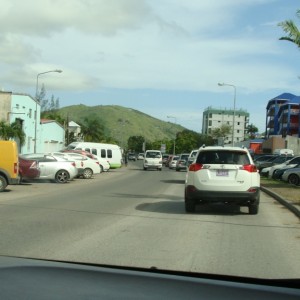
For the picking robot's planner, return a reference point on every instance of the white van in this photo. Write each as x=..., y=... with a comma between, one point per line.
x=283, y=152
x=153, y=160
x=112, y=153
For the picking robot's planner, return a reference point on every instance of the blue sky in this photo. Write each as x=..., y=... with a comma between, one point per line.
x=162, y=57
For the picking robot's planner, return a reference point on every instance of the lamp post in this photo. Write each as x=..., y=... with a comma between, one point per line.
x=36, y=102
x=175, y=119
x=234, y=100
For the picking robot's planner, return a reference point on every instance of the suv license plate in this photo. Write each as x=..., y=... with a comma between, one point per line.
x=222, y=172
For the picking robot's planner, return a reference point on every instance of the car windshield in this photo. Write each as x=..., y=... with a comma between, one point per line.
x=138, y=83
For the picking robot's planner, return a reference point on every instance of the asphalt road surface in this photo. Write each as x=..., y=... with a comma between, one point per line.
x=132, y=217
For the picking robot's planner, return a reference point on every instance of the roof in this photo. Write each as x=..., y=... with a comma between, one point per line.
x=284, y=98
x=73, y=124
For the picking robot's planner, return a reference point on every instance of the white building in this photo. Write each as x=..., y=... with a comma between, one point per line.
x=24, y=109
x=215, y=118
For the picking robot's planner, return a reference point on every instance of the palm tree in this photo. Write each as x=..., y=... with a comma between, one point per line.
x=92, y=130
x=12, y=131
x=292, y=30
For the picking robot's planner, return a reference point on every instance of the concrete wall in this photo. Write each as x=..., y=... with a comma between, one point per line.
x=52, y=136
x=5, y=105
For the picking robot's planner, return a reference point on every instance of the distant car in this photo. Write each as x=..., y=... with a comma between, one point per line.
x=173, y=161
x=152, y=160
x=181, y=163
x=132, y=156
x=225, y=175
x=28, y=168
x=141, y=156
x=191, y=157
x=292, y=176
x=54, y=168
x=165, y=158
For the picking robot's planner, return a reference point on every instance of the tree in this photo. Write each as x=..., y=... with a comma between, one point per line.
x=221, y=132
x=252, y=130
x=92, y=130
x=12, y=131
x=135, y=143
x=293, y=34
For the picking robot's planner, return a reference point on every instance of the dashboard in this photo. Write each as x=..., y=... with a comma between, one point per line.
x=23, y=278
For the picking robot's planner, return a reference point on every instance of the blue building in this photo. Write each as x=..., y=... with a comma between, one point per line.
x=283, y=116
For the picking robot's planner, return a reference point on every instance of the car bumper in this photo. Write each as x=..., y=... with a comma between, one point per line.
x=155, y=166
x=230, y=197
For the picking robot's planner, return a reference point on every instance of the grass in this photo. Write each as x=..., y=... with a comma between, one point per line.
x=286, y=191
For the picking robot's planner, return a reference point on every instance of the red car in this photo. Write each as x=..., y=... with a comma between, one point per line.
x=28, y=168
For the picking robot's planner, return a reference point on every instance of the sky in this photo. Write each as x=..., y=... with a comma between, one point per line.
x=162, y=57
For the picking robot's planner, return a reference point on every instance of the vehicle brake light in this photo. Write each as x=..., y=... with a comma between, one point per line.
x=73, y=164
x=195, y=167
x=249, y=168
x=16, y=168
x=97, y=162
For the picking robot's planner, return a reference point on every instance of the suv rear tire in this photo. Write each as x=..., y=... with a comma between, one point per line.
x=253, y=209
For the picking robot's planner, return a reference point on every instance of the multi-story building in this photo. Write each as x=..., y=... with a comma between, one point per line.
x=215, y=118
x=283, y=116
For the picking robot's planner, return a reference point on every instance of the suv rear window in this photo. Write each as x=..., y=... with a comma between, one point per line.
x=223, y=157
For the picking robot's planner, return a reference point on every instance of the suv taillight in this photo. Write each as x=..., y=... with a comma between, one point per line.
x=195, y=167
x=16, y=168
x=249, y=168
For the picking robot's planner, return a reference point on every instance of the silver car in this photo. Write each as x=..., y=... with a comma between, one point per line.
x=292, y=176
x=54, y=168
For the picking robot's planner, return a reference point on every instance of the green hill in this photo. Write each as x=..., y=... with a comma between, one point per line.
x=121, y=122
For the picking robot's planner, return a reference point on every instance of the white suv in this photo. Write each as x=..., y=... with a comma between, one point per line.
x=153, y=160
x=222, y=174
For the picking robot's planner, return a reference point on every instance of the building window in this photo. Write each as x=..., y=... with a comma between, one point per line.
x=30, y=113
x=17, y=106
x=209, y=123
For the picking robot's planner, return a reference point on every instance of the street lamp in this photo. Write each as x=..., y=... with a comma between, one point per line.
x=175, y=119
x=36, y=102
x=234, y=99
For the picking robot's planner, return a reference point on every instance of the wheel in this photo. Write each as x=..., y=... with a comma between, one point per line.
x=62, y=176
x=190, y=206
x=253, y=209
x=159, y=169
x=145, y=168
x=293, y=179
x=87, y=173
x=3, y=183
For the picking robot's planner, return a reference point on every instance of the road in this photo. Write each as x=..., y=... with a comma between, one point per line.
x=132, y=217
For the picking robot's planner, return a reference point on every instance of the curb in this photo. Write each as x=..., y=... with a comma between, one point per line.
x=282, y=201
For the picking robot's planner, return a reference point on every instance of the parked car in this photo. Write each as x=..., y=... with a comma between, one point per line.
x=173, y=161
x=222, y=174
x=277, y=174
x=86, y=166
x=54, y=168
x=292, y=163
x=274, y=161
x=9, y=171
x=104, y=163
x=181, y=163
x=28, y=168
x=292, y=176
